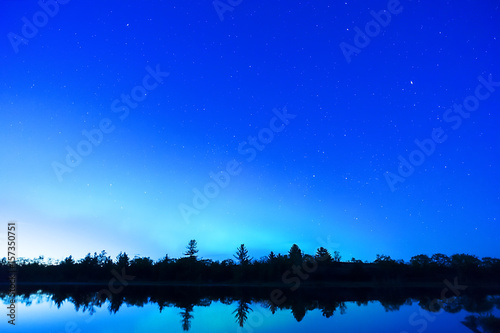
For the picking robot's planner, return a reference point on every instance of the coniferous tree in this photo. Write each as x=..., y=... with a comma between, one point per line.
x=336, y=256
x=242, y=255
x=191, y=249
x=322, y=254
x=295, y=255
x=122, y=260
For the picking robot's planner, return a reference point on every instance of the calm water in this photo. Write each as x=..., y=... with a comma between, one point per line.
x=181, y=309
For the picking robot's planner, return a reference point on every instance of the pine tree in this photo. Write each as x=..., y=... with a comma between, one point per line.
x=242, y=255
x=191, y=249
x=295, y=255
x=322, y=254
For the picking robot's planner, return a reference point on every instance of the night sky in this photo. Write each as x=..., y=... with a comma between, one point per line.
x=265, y=123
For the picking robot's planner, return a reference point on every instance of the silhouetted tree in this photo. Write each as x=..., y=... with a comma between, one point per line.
x=142, y=267
x=242, y=255
x=99, y=267
x=271, y=257
x=323, y=255
x=420, y=261
x=464, y=261
x=228, y=262
x=89, y=260
x=441, y=260
x=191, y=249
x=68, y=261
x=164, y=268
x=103, y=260
x=89, y=267
x=465, y=266
x=67, y=268
x=488, y=262
x=295, y=255
x=382, y=258
x=122, y=260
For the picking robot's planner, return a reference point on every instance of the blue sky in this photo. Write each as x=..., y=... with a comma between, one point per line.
x=318, y=179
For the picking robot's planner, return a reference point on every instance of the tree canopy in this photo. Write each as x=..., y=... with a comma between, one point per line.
x=294, y=266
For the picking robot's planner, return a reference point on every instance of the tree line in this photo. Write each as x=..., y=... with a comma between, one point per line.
x=292, y=268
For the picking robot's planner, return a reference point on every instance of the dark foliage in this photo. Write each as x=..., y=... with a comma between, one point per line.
x=295, y=268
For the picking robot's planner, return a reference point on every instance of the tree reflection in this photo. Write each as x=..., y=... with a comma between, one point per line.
x=328, y=308
x=476, y=304
x=186, y=318
x=328, y=301
x=487, y=324
x=298, y=310
x=241, y=312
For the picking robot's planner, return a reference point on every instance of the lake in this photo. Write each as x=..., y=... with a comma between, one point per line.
x=78, y=309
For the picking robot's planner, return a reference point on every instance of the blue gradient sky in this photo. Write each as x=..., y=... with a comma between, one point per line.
x=320, y=178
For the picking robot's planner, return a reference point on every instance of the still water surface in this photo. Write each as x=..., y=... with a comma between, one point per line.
x=247, y=310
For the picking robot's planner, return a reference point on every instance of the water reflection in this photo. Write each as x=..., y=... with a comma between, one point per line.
x=186, y=317
x=241, y=312
x=330, y=302
x=487, y=323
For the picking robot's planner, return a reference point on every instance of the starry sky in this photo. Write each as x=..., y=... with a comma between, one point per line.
x=137, y=126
